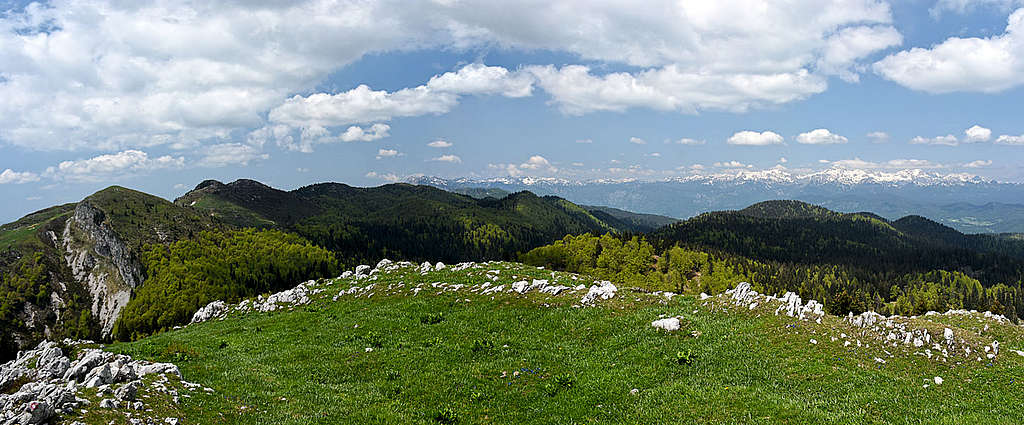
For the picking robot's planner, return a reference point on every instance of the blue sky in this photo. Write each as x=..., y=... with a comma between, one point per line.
x=159, y=98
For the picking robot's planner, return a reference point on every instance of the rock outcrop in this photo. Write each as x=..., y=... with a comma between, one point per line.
x=102, y=262
x=43, y=383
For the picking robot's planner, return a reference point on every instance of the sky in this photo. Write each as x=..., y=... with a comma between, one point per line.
x=163, y=95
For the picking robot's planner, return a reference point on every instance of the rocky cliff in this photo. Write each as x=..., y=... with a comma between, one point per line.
x=101, y=262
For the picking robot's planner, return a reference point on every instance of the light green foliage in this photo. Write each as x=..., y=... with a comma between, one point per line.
x=189, y=274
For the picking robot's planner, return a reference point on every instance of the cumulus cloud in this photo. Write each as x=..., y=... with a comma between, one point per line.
x=848, y=45
x=783, y=160
x=977, y=134
x=753, y=138
x=17, y=177
x=448, y=158
x=584, y=141
x=388, y=177
x=978, y=164
x=689, y=142
x=857, y=163
x=965, y=6
x=820, y=136
x=947, y=140
x=224, y=154
x=732, y=164
x=577, y=91
x=536, y=164
x=440, y=144
x=113, y=75
x=987, y=65
x=637, y=141
x=112, y=165
x=1010, y=140
x=387, y=153
x=878, y=136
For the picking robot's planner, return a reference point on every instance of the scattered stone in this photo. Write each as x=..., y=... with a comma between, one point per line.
x=670, y=324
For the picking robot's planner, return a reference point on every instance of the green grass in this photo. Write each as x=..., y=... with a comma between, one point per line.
x=529, y=359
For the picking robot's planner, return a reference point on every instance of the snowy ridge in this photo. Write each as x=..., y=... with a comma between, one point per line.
x=773, y=176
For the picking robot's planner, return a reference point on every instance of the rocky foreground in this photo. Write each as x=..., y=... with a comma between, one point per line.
x=59, y=380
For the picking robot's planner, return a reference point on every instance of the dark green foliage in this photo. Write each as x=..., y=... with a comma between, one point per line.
x=186, y=275
x=481, y=345
x=399, y=221
x=684, y=357
x=432, y=318
x=633, y=222
x=447, y=415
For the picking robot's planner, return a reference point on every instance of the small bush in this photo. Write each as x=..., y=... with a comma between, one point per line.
x=684, y=357
x=432, y=318
x=447, y=415
x=565, y=381
x=481, y=345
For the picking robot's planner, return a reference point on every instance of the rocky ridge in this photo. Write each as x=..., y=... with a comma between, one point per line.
x=364, y=277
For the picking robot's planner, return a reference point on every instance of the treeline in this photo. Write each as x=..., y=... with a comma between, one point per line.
x=453, y=229
x=909, y=245
x=186, y=275
x=842, y=288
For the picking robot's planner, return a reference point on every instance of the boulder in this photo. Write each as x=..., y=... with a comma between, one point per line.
x=668, y=324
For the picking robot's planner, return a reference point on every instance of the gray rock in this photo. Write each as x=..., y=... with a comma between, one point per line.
x=127, y=391
x=210, y=311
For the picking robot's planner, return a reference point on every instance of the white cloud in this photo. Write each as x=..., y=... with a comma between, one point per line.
x=965, y=6
x=978, y=164
x=732, y=164
x=536, y=164
x=987, y=65
x=481, y=79
x=439, y=144
x=360, y=105
x=637, y=141
x=9, y=176
x=448, y=158
x=820, y=136
x=388, y=177
x=878, y=136
x=1010, y=140
x=584, y=141
x=783, y=160
x=103, y=167
x=225, y=154
x=689, y=142
x=576, y=91
x=753, y=138
x=947, y=140
x=977, y=134
x=358, y=134
x=848, y=45
x=387, y=153
x=108, y=74
x=654, y=154
x=858, y=163
x=696, y=167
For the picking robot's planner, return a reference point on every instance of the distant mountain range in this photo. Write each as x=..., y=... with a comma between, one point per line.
x=962, y=201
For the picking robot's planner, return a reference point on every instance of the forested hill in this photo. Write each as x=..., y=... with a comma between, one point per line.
x=796, y=232
x=399, y=220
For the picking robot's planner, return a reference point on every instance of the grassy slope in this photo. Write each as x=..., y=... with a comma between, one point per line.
x=310, y=364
